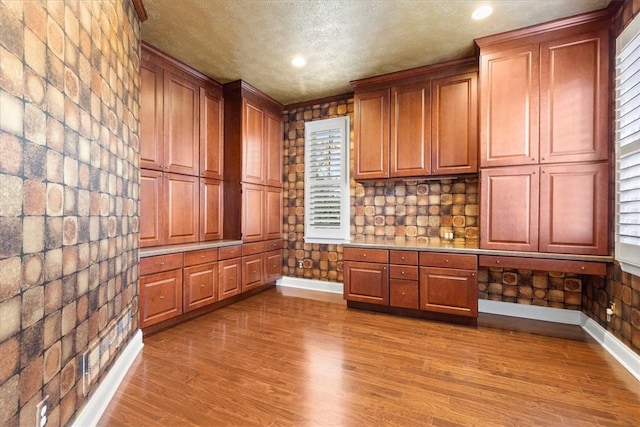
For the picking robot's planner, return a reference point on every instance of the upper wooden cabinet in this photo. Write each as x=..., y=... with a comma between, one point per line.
x=181, y=118
x=211, y=134
x=544, y=96
x=417, y=122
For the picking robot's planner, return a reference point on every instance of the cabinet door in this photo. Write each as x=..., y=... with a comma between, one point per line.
x=574, y=98
x=371, y=135
x=410, y=130
x=211, y=212
x=454, y=125
x=230, y=278
x=181, y=125
x=200, y=288
x=160, y=297
x=509, y=208
x=181, y=208
x=253, y=147
x=574, y=208
x=151, y=208
x=151, y=142
x=273, y=156
x=253, y=212
x=272, y=266
x=211, y=134
x=366, y=282
x=273, y=213
x=509, y=99
x=450, y=291
x=252, y=271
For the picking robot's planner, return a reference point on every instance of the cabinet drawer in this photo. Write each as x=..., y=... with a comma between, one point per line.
x=403, y=293
x=252, y=248
x=227, y=252
x=160, y=263
x=160, y=297
x=367, y=255
x=565, y=266
x=252, y=271
x=404, y=272
x=272, y=245
x=403, y=257
x=200, y=257
x=462, y=261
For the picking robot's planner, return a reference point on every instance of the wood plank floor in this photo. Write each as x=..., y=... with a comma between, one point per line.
x=301, y=358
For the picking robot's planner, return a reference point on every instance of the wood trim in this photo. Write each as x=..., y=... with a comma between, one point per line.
x=138, y=5
x=328, y=99
x=544, y=28
x=152, y=53
x=250, y=92
x=565, y=266
x=423, y=73
x=408, y=312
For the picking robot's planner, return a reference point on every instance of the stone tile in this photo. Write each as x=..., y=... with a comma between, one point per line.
x=35, y=52
x=55, y=199
x=33, y=232
x=55, y=141
x=32, y=306
x=9, y=357
x=33, y=269
x=34, y=197
x=35, y=161
x=31, y=380
x=11, y=161
x=10, y=277
x=11, y=73
x=52, y=328
x=35, y=125
x=9, y=399
x=68, y=377
x=52, y=361
x=32, y=344
x=11, y=194
x=35, y=18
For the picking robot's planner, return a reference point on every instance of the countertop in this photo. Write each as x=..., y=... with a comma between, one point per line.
x=461, y=246
x=186, y=247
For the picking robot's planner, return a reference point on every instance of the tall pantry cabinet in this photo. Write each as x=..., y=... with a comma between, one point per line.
x=544, y=137
x=253, y=179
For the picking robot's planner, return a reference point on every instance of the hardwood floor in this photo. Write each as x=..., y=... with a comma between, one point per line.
x=299, y=358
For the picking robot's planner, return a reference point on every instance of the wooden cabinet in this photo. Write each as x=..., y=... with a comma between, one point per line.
x=181, y=208
x=252, y=271
x=454, y=124
x=411, y=130
x=211, y=210
x=544, y=125
x=151, y=208
x=273, y=213
x=449, y=284
x=272, y=261
x=181, y=137
x=371, y=134
x=417, y=122
x=254, y=141
x=555, y=208
x=160, y=288
x=211, y=134
x=229, y=271
x=545, y=98
x=200, y=279
x=366, y=282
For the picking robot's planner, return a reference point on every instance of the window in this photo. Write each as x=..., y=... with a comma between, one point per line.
x=326, y=181
x=628, y=148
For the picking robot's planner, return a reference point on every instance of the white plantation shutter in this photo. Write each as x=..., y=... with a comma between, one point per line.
x=628, y=148
x=326, y=180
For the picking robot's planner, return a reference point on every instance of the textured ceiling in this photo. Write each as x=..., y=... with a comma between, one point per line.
x=342, y=40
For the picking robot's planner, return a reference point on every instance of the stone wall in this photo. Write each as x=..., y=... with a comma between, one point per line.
x=69, y=85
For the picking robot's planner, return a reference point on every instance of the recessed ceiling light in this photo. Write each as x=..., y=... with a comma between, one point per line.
x=298, y=61
x=482, y=12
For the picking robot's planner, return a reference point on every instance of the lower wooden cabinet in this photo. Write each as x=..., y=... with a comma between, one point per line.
x=449, y=291
x=433, y=282
x=252, y=271
x=229, y=278
x=272, y=265
x=366, y=282
x=160, y=297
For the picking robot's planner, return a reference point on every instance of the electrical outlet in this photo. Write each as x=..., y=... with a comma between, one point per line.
x=300, y=264
x=42, y=412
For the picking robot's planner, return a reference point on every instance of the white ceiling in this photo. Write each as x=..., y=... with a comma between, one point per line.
x=342, y=40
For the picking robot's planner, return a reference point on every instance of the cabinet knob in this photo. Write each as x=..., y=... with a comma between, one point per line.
x=161, y=264
x=403, y=294
x=582, y=268
x=402, y=258
x=473, y=274
x=402, y=274
x=202, y=286
x=497, y=261
x=201, y=256
x=364, y=255
x=161, y=296
x=446, y=261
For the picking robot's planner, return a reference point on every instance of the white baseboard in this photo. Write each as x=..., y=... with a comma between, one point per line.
x=314, y=285
x=535, y=312
x=96, y=405
x=623, y=354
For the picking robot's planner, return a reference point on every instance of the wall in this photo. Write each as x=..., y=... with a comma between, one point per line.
x=69, y=104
